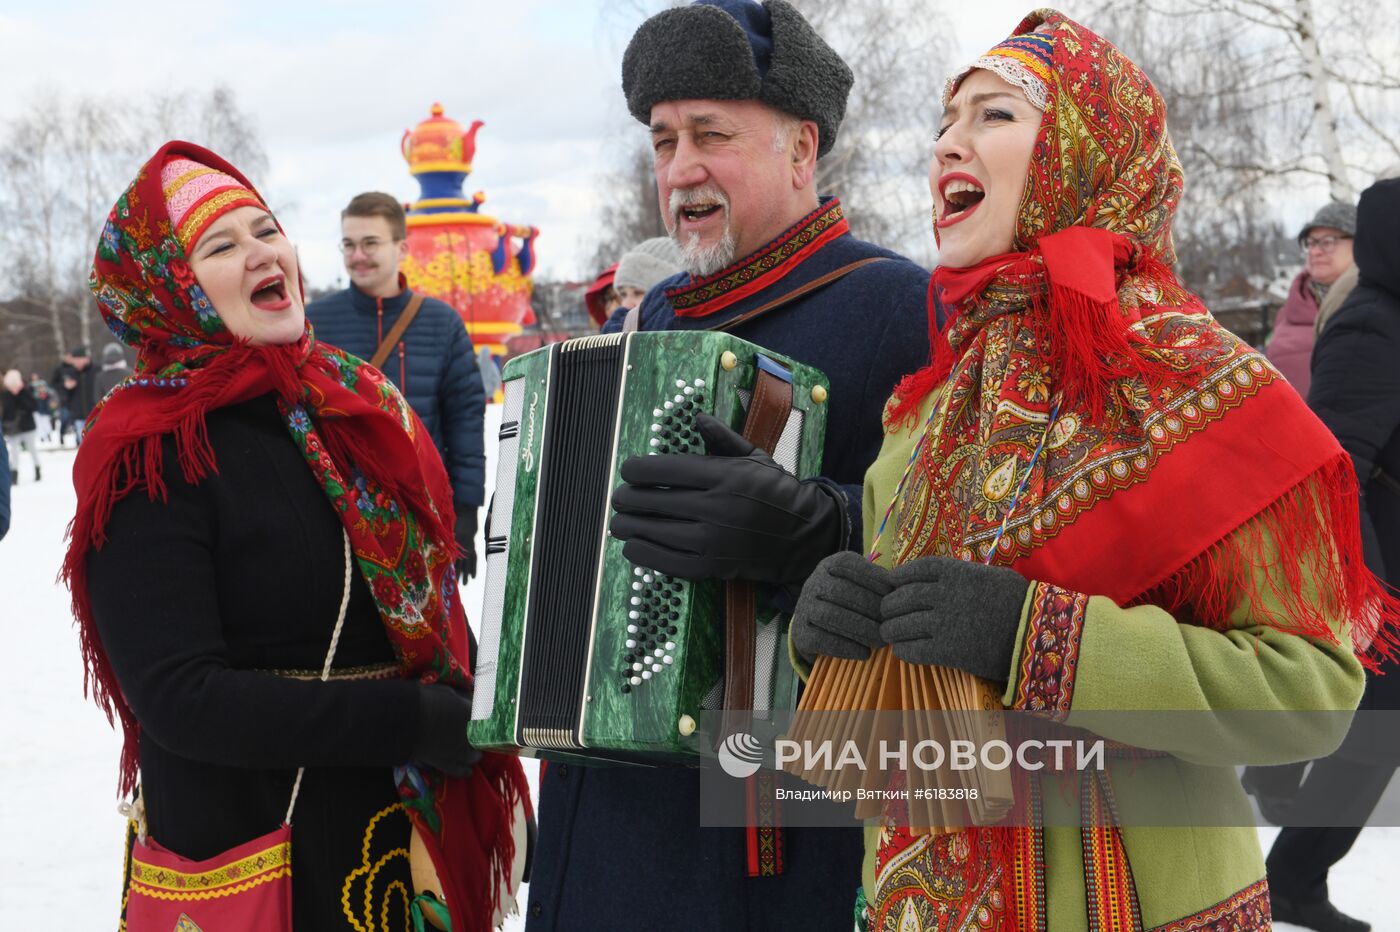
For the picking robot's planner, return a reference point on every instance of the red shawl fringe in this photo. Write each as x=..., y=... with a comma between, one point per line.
x=1315, y=580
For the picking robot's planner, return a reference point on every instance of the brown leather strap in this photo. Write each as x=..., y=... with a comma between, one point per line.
x=396, y=331
x=768, y=413
x=796, y=293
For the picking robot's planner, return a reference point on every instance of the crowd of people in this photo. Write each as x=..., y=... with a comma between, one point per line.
x=35, y=412
x=277, y=502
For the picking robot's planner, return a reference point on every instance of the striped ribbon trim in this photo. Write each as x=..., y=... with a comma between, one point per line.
x=1108, y=877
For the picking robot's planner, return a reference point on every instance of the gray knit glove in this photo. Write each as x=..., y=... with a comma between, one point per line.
x=952, y=613
x=838, y=613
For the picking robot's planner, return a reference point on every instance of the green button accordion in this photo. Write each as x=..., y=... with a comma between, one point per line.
x=582, y=653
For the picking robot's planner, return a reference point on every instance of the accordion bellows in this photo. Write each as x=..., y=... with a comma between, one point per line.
x=583, y=653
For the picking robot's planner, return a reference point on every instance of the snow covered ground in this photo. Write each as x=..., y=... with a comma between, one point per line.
x=60, y=833
x=60, y=857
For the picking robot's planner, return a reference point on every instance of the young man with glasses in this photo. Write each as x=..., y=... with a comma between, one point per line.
x=432, y=361
x=1326, y=245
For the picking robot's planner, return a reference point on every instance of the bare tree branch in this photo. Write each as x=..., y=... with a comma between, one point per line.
x=63, y=162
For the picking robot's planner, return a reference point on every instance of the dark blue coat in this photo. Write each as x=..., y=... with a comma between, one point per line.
x=434, y=366
x=621, y=848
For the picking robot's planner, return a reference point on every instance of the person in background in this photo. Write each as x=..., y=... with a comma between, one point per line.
x=432, y=363
x=1336, y=296
x=1326, y=244
x=490, y=372
x=1356, y=393
x=76, y=390
x=261, y=568
x=114, y=369
x=601, y=297
x=645, y=266
x=47, y=410
x=19, y=406
x=4, y=497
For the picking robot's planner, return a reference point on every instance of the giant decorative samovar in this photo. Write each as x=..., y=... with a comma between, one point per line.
x=474, y=262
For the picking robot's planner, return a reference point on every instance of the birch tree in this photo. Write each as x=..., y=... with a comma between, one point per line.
x=1313, y=89
x=1271, y=113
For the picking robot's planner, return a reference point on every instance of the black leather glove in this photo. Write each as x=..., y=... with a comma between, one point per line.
x=734, y=514
x=441, y=739
x=952, y=613
x=838, y=613
x=465, y=532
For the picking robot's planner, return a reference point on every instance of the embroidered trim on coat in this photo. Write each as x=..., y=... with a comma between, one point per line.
x=1246, y=911
x=1050, y=655
x=763, y=268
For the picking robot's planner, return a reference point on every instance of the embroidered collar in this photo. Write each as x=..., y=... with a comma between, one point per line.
x=770, y=264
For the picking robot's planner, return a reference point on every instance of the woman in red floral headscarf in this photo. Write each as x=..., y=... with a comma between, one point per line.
x=243, y=495
x=1098, y=500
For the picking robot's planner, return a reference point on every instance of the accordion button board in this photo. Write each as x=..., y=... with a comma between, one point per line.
x=583, y=654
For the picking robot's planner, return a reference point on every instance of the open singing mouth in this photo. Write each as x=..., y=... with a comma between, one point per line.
x=699, y=211
x=271, y=294
x=961, y=194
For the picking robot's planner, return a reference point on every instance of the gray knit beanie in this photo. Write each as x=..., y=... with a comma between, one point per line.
x=737, y=50
x=1334, y=214
x=648, y=263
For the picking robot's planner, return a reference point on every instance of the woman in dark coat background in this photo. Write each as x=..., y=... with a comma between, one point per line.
x=1356, y=392
x=19, y=408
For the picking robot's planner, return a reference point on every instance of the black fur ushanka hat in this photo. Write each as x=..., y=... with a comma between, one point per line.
x=737, y=50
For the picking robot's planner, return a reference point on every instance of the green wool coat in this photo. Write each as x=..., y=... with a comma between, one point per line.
x=1143, y=658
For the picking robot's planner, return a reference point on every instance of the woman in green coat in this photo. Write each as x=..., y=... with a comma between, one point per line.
x=1097, y=499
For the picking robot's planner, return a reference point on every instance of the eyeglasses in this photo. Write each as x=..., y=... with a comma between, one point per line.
x=1324, y=243
x=369, y=245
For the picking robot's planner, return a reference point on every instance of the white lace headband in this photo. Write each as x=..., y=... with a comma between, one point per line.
x=1012, y=69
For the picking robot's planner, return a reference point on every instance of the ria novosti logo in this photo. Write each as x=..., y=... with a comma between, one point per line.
x=740, y=755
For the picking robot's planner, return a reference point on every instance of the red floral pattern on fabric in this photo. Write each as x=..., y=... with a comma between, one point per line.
x=937, y=883
x=1050, y=652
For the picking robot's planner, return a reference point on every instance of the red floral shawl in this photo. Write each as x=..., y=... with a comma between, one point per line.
x=1157, y=404
x=367, y=450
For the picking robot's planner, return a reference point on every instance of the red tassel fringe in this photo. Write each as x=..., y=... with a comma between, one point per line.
x=137, y=465
x=490, y=853
x=1316, y=577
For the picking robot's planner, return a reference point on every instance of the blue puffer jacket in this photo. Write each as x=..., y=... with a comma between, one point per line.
x=434, y=366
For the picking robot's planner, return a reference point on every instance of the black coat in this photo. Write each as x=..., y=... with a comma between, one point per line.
x=196, y=599
x=1356, y=392
x=621, y=848
x=19, y=409
x=80, y=399
x=108, y=378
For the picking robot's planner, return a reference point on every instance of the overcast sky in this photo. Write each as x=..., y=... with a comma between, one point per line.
x=332, y=86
